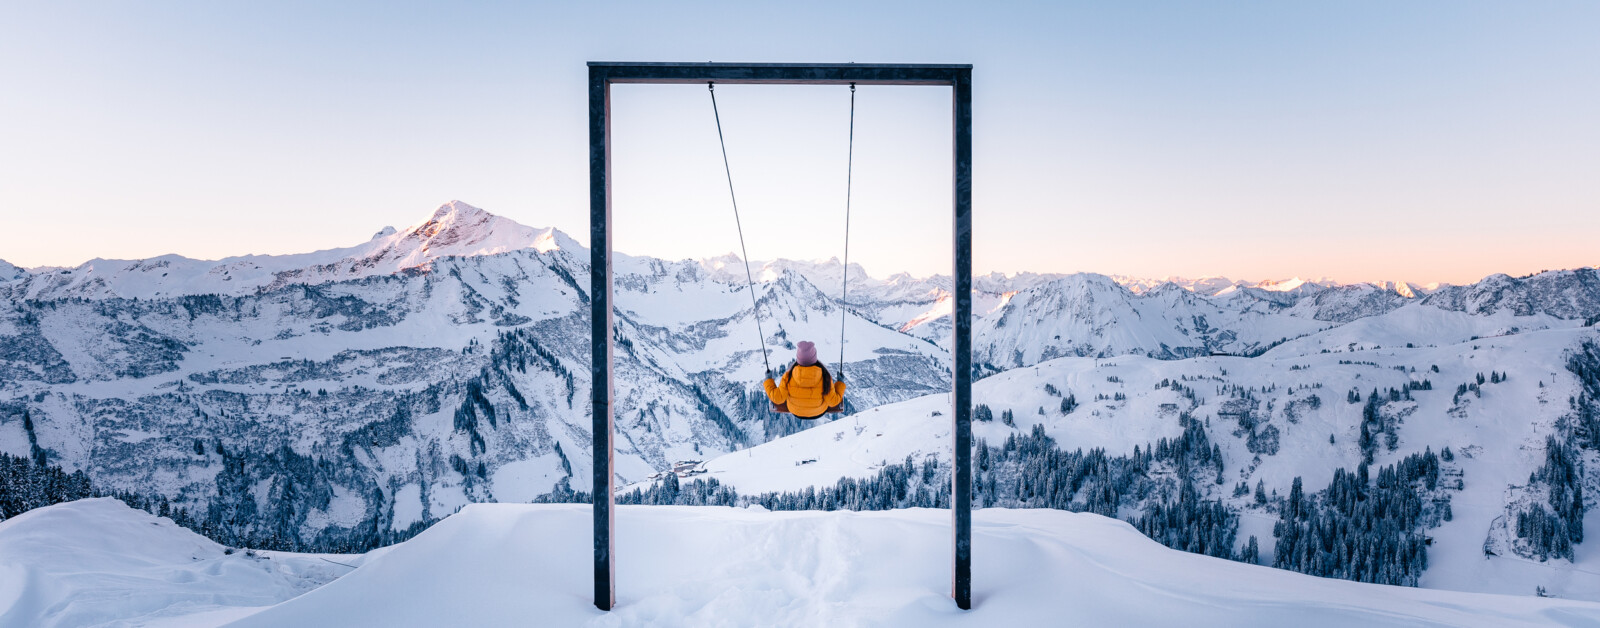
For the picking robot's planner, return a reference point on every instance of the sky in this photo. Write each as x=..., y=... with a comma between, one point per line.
x=1358, y=141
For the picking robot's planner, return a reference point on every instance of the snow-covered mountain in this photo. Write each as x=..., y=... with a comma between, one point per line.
x=1285, y=415
x=1561, y=293
x=329, y=399
x=8, y=272
x=99, y=563
x=1213, y=286
x=1092, y=315
x=345, y=394
x=455, y=229
x=1208, y=286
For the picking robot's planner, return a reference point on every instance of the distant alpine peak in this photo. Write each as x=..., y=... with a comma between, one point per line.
x=1207, y=285
x=723, y=262
x=1409, y=290
x=1295, y=284
x=455, y=229
x=458, y=209
x=458, y=229
x=454, y=213
x=1212, y=285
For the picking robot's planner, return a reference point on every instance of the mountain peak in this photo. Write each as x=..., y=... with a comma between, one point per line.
x=453, y=216
x=1296, y=284
x=459, y=229
x=456, y=210
x=455, y=229
x=1208, y=285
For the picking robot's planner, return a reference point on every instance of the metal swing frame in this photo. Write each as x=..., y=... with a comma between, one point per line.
x=604, y=74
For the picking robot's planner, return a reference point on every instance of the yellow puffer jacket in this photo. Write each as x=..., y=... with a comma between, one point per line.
x=802, y=390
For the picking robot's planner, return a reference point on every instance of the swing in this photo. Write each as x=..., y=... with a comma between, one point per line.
x=783, y=408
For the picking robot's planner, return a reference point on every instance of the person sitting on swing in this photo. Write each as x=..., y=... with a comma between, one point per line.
x=807, y=388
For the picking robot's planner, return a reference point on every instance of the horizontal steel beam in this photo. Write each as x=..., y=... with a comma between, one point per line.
x=780, y=73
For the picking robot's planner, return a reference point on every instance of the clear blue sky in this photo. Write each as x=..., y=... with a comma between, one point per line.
x=1423, y=141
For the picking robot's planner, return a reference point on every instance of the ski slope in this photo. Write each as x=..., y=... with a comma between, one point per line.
x=97, y=563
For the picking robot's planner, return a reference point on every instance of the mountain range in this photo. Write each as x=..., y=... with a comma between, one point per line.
x=325, y=400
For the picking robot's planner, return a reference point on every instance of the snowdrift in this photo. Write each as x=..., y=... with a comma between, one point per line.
x=99, y=563
x=521, y=565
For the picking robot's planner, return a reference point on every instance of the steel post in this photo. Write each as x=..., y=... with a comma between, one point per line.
x=961, y=348
x=605, y=576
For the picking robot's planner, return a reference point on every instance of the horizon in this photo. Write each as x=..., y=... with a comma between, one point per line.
x=1126, y=280
x=1359, y=142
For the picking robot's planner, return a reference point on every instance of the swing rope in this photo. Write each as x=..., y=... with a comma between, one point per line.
x=750, y=281
x=849, y=177
x=750, y=278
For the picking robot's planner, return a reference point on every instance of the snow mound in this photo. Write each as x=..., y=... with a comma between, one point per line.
x=98, y=562
x=503, y=565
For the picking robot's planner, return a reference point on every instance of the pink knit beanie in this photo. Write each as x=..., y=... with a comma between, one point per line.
x=805, y=353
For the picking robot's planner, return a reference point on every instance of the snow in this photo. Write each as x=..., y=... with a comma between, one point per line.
x=1296, y=285
x=687, y=566
x=346, y=509
x=1221, y=286
x=448, y=279
x=138, y=436
x=1421, y=325
x=9, y=272
x=407, y=506
x=454, y=229
x=97, y=562
x=1093, y=315
x=1494, y=454
x=523, y=480
x=856, y=446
